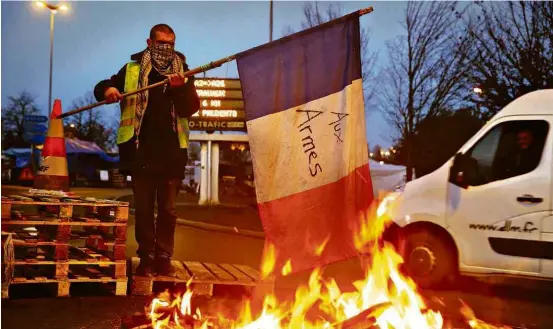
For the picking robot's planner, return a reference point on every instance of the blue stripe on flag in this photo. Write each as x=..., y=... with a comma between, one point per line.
x=301, y=69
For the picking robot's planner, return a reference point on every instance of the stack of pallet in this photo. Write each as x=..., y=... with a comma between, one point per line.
x=66, y=239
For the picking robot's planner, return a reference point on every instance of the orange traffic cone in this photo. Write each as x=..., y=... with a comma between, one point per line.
x=52, y=172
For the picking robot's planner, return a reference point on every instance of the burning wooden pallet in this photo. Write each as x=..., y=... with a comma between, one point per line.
x=118, y=285
x=202, y=277
x=65, y=239
x=364, y=320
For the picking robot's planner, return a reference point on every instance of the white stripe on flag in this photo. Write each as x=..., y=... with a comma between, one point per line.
x=310, y=145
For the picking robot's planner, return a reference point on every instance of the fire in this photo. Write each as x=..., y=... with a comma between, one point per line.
x=269, y=259
x=287, y=268
x=319, y=250
x=474, y=322
x=384, y=298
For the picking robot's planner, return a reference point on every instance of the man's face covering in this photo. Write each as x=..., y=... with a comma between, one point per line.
x=162, y=55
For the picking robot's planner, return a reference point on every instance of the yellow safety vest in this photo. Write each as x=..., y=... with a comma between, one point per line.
x=128, y=110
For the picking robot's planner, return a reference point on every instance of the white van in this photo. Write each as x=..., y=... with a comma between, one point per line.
x=488, y=210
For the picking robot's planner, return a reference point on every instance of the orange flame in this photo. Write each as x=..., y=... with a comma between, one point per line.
x=319, y=250
x=287, y=268
x=269, y=260
x=384, y=288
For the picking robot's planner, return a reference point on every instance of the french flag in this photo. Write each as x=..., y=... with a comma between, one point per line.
x=304, y=105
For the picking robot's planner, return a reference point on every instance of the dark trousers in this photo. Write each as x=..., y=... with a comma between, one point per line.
x=155, y=237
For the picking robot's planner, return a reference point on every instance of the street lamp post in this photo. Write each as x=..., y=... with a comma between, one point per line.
x=53, y=10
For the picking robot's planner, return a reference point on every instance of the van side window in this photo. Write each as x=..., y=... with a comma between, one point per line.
x=508, y=150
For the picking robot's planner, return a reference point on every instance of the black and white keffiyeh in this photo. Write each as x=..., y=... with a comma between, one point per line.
x=163, y=59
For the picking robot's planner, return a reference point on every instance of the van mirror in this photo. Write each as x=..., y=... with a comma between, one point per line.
x=463, y=170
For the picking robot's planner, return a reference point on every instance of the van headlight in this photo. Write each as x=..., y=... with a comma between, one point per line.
x=400, y=187
x=386, y=203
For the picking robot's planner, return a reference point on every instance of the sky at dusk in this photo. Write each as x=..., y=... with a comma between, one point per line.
x=95, y=39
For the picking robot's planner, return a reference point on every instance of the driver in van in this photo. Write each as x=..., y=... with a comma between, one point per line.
x=525, y=157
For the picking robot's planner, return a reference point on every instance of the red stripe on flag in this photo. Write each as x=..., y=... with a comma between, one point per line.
x=54, y=147
x=299, y=223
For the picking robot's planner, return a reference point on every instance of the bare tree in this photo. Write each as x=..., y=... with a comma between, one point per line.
x=12, y=117
x=91, y=125
x=287, y=30
x=314, y=14
x=426, y=72
x=513, y=53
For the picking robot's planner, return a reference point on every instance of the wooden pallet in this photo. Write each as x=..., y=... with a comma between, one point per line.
x=202, y=277
x=63, y=286
x=50, y=225
x=42, y=264
x=56, y=242
x=31, y=208
x=71, y=271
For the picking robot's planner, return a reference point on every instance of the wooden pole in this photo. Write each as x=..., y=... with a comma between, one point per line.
x=188, y=73
x=220, y=62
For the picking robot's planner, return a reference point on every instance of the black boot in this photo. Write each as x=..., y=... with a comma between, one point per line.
x=146, y=266
x=163, y=266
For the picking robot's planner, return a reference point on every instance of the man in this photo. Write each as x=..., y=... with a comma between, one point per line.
x=529, y=154
x=153, y=140
x=524, y=158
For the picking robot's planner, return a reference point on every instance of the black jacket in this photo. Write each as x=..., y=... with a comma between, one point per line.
x=159, y=152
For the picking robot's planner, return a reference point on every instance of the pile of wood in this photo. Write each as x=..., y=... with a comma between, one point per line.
x=364, y=320
x=66, y=239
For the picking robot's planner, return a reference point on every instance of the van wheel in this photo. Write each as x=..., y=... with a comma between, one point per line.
x=429, y=258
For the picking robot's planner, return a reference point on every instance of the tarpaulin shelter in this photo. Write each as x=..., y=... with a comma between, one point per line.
x=86, y=158
x=77, y=146
x=21, y=156
x=83, y=157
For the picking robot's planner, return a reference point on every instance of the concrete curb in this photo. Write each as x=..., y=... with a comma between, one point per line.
x=216, y=228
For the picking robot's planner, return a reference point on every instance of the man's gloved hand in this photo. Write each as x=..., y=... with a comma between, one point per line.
x=176, y=79
x=112, y=95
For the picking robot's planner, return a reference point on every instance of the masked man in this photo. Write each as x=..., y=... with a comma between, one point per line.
x=153, y=140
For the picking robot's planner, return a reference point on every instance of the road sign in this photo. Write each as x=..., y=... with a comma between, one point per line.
x=220, y=115
x=219, y=94
x=35, y=128
x=35, y=118
x=217, y=83
x=37, y=139
x=221, y=105
x=216, y=125
x=38, y=128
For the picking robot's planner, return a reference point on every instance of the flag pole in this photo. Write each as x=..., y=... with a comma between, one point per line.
x=218, y=63
x=270, y=20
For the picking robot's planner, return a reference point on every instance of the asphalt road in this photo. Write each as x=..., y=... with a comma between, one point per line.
x=521, y=304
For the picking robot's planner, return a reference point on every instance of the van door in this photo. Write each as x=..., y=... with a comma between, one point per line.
x=498, y=219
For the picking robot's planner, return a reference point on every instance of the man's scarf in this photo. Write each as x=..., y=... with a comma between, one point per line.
x=142, y=98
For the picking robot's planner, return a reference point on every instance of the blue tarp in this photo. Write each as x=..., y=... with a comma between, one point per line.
x=77, y=146
x=21, y=155
x=72, y=146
